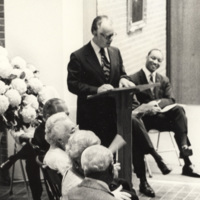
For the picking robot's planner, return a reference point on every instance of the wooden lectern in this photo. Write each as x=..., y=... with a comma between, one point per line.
x=123, y=99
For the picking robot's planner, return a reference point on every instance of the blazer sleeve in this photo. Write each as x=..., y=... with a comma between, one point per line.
x=166, y=97
x=74, y=79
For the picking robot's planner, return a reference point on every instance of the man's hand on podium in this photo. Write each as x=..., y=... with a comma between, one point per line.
x=104, y=88
x=125, y=83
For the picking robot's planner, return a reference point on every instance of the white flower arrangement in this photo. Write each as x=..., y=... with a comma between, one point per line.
x=35, y=85
x=3, y=87
x=19, y=85
x=18, y=62
x=5, y=69
x=4, y=104
x=28, y=114
x=46, y=93
x=14, y=97
x=31, y=100
x=22, y=94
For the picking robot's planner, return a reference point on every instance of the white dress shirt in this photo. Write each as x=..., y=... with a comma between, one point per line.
x=97, y=49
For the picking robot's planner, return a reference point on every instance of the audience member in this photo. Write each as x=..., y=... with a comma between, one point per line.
x=77, y=143
x=37, y=146
x=97, y=164
x=97, y=67
x=58, y=129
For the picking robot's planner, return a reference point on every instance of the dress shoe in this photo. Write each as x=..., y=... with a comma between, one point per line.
x=146, y=189
x=185, y=152
x=189, y=170
x=163, y=167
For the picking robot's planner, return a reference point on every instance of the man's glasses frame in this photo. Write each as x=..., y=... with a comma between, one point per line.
x=108, y=37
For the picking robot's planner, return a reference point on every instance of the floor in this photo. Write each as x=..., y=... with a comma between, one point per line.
x=173, y=186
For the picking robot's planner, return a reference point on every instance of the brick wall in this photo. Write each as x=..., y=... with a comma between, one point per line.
x=4, y=177
x=134, y=47
x=2, y=36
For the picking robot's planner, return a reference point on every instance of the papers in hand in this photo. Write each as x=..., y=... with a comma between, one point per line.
x=167, y=108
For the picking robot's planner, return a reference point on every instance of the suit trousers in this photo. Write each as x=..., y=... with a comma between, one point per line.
x=173, y=120
x=141, y=145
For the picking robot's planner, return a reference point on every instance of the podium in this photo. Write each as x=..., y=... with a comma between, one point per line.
x=123, y=98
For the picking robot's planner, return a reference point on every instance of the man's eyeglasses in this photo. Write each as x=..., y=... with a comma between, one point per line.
x=108, y=37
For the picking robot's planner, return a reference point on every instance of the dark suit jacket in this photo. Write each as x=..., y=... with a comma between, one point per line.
x=162, y=92
x=85, y=75
x=90, y=190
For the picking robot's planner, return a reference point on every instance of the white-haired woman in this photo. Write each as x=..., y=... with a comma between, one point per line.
x=58, y=128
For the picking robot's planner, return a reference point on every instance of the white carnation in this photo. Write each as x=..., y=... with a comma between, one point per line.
x=28, y=74
x=4, y=104
x=19, y=85
x=31, y=100
x=47, y=92
x=35, y=84
x=3, y=51
x=5, y=69
x=3, y=87
x=28, y=114
x=18, y=62
x=13, y=97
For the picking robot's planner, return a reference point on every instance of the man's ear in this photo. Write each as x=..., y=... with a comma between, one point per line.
x=111, y=169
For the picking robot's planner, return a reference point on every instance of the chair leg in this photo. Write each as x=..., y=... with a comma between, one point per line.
x=148, y=167
x=24, y=177
x=158, y=141
x=13, y=172
x=174, y=145
x=12, y=179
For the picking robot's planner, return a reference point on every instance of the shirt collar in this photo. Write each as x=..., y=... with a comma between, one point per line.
x=148, y=73
x=95, y=47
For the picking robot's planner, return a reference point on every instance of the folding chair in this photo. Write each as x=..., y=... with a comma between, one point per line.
x=52, y=180
x=173, y=149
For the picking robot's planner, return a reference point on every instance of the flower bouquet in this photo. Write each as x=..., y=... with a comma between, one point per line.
x=22, y=95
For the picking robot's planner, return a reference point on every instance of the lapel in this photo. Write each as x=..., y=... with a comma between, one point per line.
x=94, y=62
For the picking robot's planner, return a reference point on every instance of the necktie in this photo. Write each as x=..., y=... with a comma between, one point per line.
x=151, y=78
x=151, y=81
x=105, y=64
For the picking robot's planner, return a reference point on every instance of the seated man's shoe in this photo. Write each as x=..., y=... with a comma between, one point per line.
x=190, y=171
x=146, y=189
x=163, y=167
x=185, y=152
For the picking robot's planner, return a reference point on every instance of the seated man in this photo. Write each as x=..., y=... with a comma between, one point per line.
x=173, y=119
x=77, y=143
x=97, y=164
x=58, y=129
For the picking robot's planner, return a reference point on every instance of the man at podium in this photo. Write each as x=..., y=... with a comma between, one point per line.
x=97, y=67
